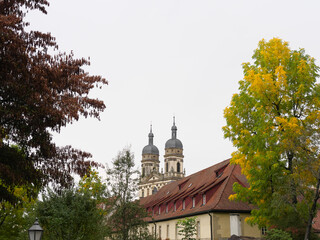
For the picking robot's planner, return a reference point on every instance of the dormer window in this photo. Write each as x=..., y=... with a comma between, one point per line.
x=193, y=202
x=219, y=174
x=204, y=199
x=183, y=204
x=167, y=208
x=175, y=206
x=159, y=210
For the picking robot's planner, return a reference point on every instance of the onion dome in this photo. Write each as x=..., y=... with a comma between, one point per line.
x=174, y=142
x=150, y=148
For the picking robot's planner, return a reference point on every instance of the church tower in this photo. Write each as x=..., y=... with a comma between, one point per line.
x=150, y=158
x=150, y=176
x=151, y=179
x=173, y=158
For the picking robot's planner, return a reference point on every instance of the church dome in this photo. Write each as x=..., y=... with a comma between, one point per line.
x=174, y=142
x=150, y=148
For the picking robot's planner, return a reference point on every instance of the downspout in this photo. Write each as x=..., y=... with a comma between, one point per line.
x=211, y=237
x=155, y=230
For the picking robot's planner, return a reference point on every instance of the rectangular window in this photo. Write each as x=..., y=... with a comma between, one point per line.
x=204, y=199
x=175, y=206
x=159, y=210
x=235, y=225
x=198, y=230
x=193, y=202
x=159, y=231
x=167, y=231
x=183, y=204
x=167, y=208
x=263, y=230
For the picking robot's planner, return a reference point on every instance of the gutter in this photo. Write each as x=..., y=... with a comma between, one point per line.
x=199, y=213
x=155, y=230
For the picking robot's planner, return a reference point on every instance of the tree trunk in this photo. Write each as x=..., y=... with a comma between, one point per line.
x=313, y=209
x=292, y=184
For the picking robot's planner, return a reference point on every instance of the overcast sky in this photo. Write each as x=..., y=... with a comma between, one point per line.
x=169, y=57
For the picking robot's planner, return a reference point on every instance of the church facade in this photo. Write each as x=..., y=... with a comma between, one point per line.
x=151, y=178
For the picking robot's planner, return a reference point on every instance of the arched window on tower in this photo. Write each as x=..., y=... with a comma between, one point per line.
x=167, y=167
x=178, y=167
x=155, y=190
x=143, y=172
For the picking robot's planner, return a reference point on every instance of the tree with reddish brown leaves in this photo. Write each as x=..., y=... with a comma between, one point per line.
x=39, y=94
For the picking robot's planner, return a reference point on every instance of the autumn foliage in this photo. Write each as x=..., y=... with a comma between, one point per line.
x=274, y=122
x=40, y=92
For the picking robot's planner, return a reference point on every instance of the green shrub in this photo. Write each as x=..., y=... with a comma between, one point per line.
x=277, y=234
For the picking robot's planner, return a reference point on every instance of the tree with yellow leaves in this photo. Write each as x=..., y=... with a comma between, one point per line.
x=93, y=184
x=274, y=122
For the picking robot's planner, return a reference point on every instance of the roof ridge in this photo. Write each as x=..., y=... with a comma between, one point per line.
x=223, y=163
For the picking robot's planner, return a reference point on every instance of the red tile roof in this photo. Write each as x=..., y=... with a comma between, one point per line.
x=215, y=182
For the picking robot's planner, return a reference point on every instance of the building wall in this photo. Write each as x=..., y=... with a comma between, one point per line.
x=149, y=163
x=148, y=187
x=221, y=227
x=172, y=157
x=249, y=230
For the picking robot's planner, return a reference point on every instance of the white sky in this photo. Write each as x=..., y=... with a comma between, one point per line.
x=169, y=57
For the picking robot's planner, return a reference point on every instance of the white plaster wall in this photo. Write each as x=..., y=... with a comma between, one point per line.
x=204, y=220
x=221, y=227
